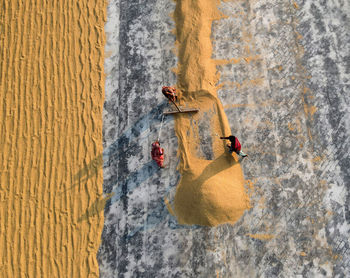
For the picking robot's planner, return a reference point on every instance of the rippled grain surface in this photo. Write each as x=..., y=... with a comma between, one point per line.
x=51, y=97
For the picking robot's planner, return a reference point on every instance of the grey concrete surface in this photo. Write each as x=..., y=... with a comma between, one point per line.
x=287, y=99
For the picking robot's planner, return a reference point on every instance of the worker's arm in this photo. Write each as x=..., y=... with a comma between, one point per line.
x=231, y=138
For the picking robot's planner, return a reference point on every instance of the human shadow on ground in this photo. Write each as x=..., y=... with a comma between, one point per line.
x=134, y=180
x=160, y=214
x=86, y=173
x=132, y=133
x=221, y=163
x=95, y=208
x=119, y=146
x=119, y=187
x=122, y=188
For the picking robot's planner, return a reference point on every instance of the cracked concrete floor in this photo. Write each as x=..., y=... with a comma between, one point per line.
x=286, y=95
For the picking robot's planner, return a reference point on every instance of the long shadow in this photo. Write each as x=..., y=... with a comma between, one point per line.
x=113, y=151
x=218, y=165
x=133, y=133
x=158, y=215
x=85, y=173
x=95, y=208
x=134, y=180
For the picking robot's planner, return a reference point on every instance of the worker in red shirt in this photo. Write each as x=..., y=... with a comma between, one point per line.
x=169, y=93
x=157, y=154
x=235, y=145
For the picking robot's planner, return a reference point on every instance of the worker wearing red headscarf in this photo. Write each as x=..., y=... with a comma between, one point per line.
x=235, y=145
x=169, y=93
x=157, y=154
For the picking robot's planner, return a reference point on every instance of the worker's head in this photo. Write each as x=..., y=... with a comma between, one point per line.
x=164, y=89
x=155, y=144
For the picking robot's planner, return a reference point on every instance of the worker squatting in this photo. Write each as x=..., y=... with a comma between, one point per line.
x=157, y=152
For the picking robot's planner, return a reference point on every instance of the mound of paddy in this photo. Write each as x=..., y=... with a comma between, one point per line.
x=211, y=192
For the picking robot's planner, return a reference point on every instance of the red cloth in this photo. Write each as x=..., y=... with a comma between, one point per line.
x=169, y=93
x=237, y=145
x=157, y=154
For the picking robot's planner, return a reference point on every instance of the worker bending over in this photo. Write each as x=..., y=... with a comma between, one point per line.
x=169, y=93
x=235, y=145
x=157, y=154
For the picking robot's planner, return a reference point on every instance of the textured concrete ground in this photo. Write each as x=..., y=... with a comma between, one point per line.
x=286, y=94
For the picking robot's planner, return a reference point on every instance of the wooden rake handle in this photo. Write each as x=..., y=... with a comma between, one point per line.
x=176, y=106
